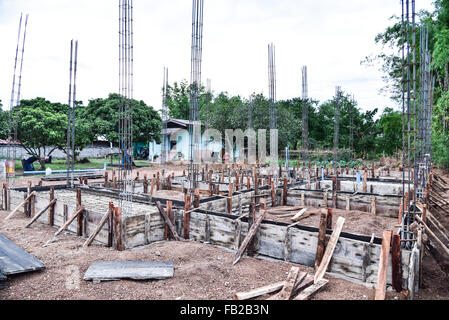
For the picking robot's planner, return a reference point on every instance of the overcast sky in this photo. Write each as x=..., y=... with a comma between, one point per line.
x=330, y=37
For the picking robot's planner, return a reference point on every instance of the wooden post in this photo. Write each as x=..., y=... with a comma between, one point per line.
x=157, y=181
x=111, y=225
x=230, y=198
x=329, y=218
x=80, y=217
x=303, y=198
x=273, y=195
x=334, y=192
x=321, y=238
x=145, y=184
x=373, y=206
x=348, y=203
x=396, y=265
x=5, y=197
x=251, y=220
x=169, y=183
x=118, y=228
x=152, y=186
x=106, y=180
x=171, y=217
x=284, y=200
x=115, y=183
x=196, y=198
x=248, y=183
x=365, y=178
x=187, y=205
x=51, y=212
x=237, y=181
x=383, y=266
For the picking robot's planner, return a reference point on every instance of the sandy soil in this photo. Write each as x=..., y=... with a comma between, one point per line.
x=202, y=272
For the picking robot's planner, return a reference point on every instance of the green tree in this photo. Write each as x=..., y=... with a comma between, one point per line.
x=4, y=122
x=389, y=139
x=41, y=127
x=102, y=116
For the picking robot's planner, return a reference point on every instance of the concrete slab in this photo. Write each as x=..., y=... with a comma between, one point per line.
x=136, y=270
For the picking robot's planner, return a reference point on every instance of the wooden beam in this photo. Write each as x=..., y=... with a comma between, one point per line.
x=167, y=221
x=51, y=204
x=97, y=229
x=259, y=291
x=432, y=235
x=329, y=250
x=383, y=266
x=248, y=238
x=299, y=215
x=21, y=204
x=287, y=290
x=111, y=225
x=65, y=225
x=80, y=217
x=307, y=293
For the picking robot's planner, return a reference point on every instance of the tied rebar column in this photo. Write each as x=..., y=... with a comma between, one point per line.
x=126, y=48
x=305, y=114
x=11, y=152
x=165, y=135
x=410, y=122
x=272, y=85
x=337, y=122
x=195, y=91
x=71, y=107
x=423, y=149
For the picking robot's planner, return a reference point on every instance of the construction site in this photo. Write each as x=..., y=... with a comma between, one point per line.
x=242, y=226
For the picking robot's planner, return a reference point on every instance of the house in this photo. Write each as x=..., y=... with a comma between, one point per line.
x=177, y=140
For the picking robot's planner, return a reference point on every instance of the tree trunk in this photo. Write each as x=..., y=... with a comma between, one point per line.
x=42, y=163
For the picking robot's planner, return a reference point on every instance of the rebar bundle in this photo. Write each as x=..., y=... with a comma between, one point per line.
x=208, y=101
x=126, y=60
x=165, y=136
x=195, y=92
x=15, y=99
x=337, y=121
x=423, y=151
x=305, y=112
x=412, y=121
x=272, y=85
x=71, y=107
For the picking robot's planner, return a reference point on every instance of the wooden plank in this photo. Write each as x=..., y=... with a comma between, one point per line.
x=329, y=250
x=51, y=204
x=15, y=260
x=21, y=204
x=433, y=236
x=136, y=270
x=299, y=215
x=248, y=238
x=97, y=229
x=65, y=225
x=167, y=221
x=286, y=291
x=259, y=291
x=307, y=293
x=383, y=266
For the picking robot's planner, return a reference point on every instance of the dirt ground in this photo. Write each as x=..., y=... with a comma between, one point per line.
x=202, y=271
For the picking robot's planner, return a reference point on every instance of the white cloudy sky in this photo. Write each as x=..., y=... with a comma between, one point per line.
x=330, y=37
